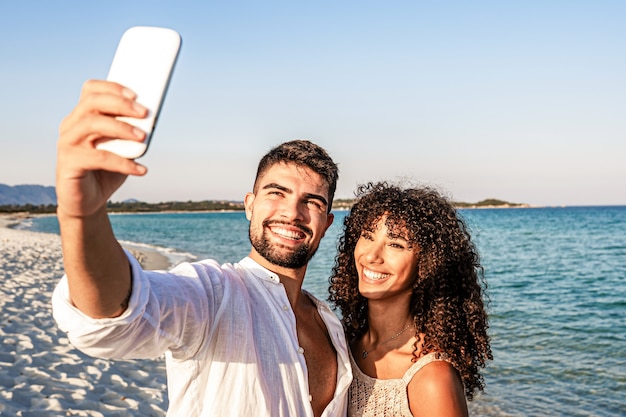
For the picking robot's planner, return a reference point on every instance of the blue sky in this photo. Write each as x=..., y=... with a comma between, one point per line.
x=522, y=101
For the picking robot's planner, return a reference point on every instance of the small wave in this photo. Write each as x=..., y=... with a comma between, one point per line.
x=18, y=223
x=174, y=257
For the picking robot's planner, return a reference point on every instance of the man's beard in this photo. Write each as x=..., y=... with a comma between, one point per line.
x=272, y=253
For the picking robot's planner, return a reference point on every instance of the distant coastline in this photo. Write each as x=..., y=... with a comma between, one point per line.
x=492, y=203
x=215, y=206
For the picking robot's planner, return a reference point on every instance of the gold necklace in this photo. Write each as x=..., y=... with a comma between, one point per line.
x=367, y=352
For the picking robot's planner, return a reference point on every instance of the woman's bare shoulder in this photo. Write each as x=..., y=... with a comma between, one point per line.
x=437, y=390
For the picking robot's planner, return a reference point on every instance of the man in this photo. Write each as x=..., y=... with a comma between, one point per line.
x=240, y=339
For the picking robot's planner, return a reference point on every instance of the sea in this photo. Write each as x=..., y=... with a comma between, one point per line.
x=556, y=280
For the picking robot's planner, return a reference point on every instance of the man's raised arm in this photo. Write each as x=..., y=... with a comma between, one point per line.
x=97, y=269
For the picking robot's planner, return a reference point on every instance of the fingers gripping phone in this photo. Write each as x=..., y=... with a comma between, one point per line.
x=144, y=62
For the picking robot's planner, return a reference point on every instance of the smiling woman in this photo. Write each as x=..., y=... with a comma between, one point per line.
x=406, y=261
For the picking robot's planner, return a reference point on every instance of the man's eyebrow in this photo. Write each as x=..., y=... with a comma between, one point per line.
x=277, y=186
x=289, y=190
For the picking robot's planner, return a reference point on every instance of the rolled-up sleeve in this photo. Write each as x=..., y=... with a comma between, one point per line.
x=165, y=312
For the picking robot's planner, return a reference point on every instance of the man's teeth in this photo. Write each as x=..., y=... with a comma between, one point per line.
x=287, y=234
x=374, y=275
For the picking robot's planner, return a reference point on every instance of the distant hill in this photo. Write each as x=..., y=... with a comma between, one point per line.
x=27, y=194
x=491, y=203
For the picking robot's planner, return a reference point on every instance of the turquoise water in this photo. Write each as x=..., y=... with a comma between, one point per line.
x=557, y=287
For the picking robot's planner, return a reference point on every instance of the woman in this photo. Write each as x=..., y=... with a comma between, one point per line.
x=408, y=283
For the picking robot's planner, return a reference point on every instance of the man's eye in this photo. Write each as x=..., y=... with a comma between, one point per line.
x=314, y=203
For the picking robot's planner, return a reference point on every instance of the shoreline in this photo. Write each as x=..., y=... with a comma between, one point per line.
x=149, y=259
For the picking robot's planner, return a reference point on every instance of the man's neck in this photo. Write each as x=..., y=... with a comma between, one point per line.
x=291, y=279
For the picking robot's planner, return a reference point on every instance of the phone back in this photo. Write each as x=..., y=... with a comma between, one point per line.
x=144, y=62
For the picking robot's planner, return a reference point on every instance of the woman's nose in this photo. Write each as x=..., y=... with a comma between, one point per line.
x=373, y=253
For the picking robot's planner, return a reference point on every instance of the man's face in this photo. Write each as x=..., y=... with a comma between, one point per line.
x=288, y=215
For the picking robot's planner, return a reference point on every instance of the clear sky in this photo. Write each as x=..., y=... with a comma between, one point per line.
x=522, y=101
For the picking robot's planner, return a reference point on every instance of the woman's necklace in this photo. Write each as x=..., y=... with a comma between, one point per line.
x=367, y=352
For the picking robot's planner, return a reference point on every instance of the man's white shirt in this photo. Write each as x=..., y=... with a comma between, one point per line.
x=228, y=333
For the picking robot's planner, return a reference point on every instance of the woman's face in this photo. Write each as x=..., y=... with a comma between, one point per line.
x=386, y=265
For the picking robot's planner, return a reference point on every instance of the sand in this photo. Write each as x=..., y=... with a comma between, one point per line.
x=41, y=374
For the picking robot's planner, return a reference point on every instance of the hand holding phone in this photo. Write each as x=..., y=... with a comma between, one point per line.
x=143, y=62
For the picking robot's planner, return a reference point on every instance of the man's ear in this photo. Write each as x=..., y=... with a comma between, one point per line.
x=247, y=202
x=329, y=221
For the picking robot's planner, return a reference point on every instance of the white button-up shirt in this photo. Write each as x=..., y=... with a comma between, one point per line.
x=229, y=337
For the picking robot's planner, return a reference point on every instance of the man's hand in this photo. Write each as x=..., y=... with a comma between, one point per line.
x=87, y=177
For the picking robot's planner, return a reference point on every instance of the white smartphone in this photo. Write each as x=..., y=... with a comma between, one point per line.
x=144, y=62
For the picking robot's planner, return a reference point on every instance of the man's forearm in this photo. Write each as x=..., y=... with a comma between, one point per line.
x=97, y=268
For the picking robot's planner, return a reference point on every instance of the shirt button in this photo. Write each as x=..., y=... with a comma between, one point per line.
x=285, y=307
x=300, y=349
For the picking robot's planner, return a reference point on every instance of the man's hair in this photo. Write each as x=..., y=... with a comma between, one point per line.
x=306, y=154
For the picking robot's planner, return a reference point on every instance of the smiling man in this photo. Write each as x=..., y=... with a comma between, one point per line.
x=239, y=339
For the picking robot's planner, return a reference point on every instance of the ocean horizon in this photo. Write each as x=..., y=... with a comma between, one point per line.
x=556, y=284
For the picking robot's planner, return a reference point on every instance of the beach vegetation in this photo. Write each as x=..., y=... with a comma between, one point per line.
x=134, y=206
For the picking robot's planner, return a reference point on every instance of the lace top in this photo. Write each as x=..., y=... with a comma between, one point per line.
x=372, y=397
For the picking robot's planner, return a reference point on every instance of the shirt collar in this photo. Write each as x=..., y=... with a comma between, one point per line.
x=259, y=271
x=267, y=275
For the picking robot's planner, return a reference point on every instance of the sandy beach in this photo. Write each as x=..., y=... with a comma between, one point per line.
x=41, y=374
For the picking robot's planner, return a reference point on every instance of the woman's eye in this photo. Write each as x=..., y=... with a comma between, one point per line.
x=399, y=244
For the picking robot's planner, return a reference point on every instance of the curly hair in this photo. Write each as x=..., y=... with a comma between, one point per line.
x=447, y=300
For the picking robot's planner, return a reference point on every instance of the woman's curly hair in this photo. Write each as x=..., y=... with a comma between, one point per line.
x=447, y=301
